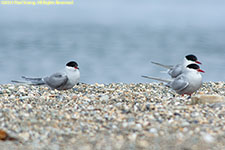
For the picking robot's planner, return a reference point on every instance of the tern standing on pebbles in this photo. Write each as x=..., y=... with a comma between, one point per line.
x=176, y=70
x=62, y=80
x=186, y=83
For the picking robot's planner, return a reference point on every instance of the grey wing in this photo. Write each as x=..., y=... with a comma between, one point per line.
x=56, y=80
x=175, y=71
x=179, y=83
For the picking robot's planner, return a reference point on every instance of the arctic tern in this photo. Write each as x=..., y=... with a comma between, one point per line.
x=176, y=70
x=186, y=83
x=62, y=80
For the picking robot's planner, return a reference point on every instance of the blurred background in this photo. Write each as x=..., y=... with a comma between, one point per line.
x=112, y=40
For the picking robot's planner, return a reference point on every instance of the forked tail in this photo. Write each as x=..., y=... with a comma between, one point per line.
x=32, y=81
x=164, y=66
x=158, y=79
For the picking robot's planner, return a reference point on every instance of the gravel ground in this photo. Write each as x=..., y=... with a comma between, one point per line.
x=114, y=116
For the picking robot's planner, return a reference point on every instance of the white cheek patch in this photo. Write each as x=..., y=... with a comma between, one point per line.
x=70, y=68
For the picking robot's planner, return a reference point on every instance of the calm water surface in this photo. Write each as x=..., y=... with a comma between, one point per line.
x=113, y=47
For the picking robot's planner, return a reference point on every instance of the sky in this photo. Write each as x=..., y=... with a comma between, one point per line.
x=199, y=13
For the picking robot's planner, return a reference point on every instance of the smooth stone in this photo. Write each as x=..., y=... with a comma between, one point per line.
x=203, y=99
x=208, y=138
x=153, y=130
x=24, y=135
x=104, y=98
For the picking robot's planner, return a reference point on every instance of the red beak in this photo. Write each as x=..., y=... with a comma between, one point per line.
x=198, y=62
x=76, y=67
x=200, y=70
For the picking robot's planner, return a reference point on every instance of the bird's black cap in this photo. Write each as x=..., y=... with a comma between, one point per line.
x=191, y=57
x=193, y=66
x=72, y=64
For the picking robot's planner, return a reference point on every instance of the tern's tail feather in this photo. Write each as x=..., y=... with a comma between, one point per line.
x=35, y=81
x=32, y=81
x=163, y=71
x=159, y=79
x=15, y=81
x=164, y=66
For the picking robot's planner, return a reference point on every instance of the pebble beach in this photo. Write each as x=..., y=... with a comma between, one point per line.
x=112, y=116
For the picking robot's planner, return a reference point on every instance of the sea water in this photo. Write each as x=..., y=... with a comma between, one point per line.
x=112, y=42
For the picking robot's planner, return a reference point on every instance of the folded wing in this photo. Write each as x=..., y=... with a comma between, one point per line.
x=179, y=83
x=56, y=80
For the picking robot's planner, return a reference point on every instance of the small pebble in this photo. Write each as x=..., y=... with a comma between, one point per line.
x=111, y=116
